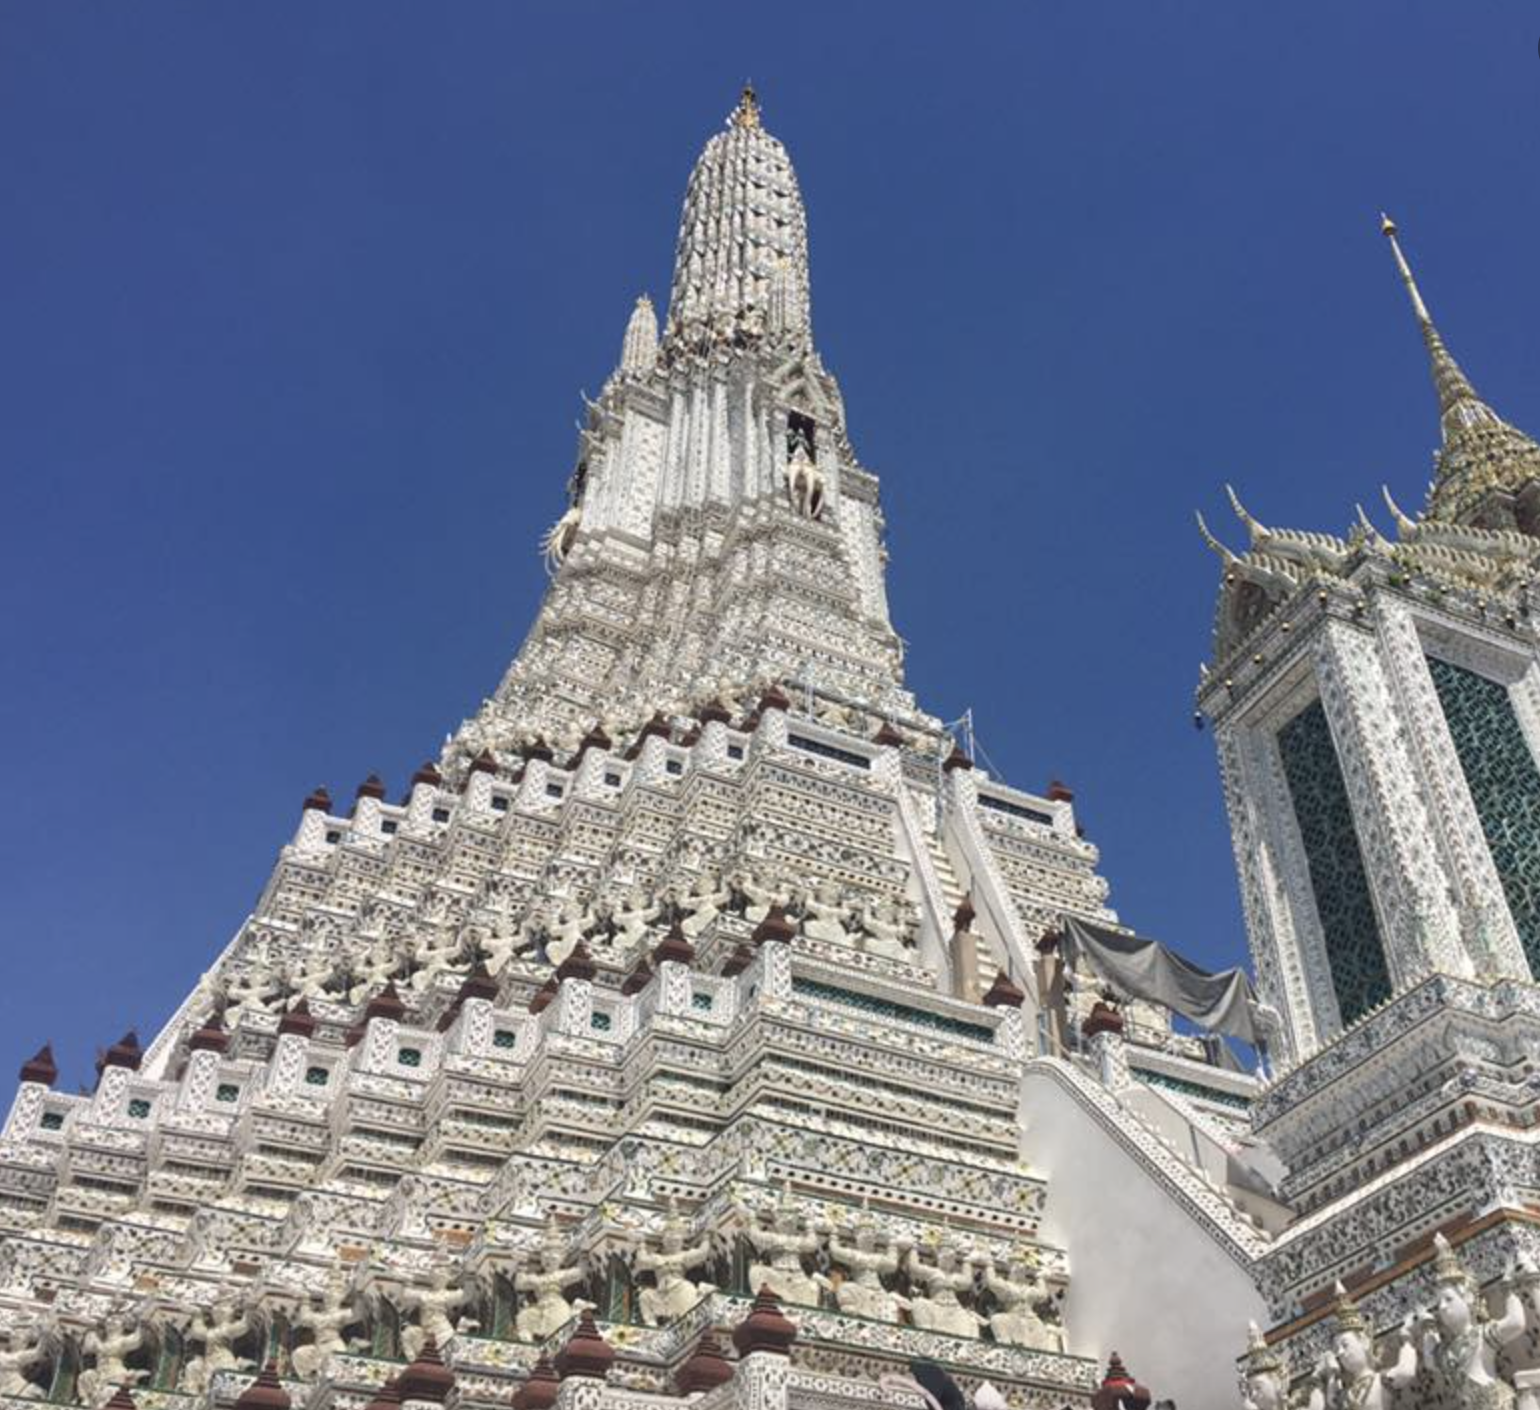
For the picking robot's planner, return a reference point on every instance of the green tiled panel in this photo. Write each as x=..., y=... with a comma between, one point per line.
x=1504, y=783
x=1342, y=898
x=885, y=1008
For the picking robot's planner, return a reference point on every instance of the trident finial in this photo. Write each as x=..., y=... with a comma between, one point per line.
x=746, y=114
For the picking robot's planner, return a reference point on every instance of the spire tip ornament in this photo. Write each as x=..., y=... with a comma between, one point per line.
x=1390, y=230
x=746, y=114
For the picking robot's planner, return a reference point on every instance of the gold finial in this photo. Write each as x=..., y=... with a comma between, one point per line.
x=746, y=114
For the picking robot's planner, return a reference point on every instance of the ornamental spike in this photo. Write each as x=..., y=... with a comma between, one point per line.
x=1224, y=553
x=1404, y=525
x=639, y=350
x=1254, y=527
x=1370, y=530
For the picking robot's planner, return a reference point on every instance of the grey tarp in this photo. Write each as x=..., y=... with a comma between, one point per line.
x=1145, y=969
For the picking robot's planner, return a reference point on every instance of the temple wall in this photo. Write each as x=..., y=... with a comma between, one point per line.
x=1145, y=1280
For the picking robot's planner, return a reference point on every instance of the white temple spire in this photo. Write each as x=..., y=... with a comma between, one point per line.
x=639, y=351
x=742, y=233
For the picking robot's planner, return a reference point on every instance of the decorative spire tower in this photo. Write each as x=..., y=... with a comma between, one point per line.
x=1376, y=707
x=743, y=221
x=1371, y=839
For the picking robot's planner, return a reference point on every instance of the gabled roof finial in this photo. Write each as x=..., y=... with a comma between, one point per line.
x=1368, y=531
x=1224, y=553
x=1404, y=525
x=1257, y=530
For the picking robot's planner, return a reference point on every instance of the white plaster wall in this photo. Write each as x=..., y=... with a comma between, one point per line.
x=1145, y=1279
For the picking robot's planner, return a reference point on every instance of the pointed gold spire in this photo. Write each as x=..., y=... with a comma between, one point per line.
x=1452, y=384
x=1484, y=463
x=746, y=114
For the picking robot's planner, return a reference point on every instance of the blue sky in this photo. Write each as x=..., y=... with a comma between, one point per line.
x=298, y=301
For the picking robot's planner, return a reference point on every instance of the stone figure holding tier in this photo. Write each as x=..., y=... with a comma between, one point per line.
x=371, y=970
x=306, y=977
x=863, y=1293
x=1018, y=1290
x=25, y=1350
x=758, y=894
x=704, y=902
x=941, y=1309
x=218, y=1332
x=108, y=1349
x=571, y=923
x=630, y=916
x=326, y=1316
x=785, y=1243
x=675, y=1294
x=435, y=1305
x=826, y=914
x=547, y=1283
x=435, y=952
x=884, y=932
x=1463, y=1343
x=255, y=988
x=1349, y=1377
